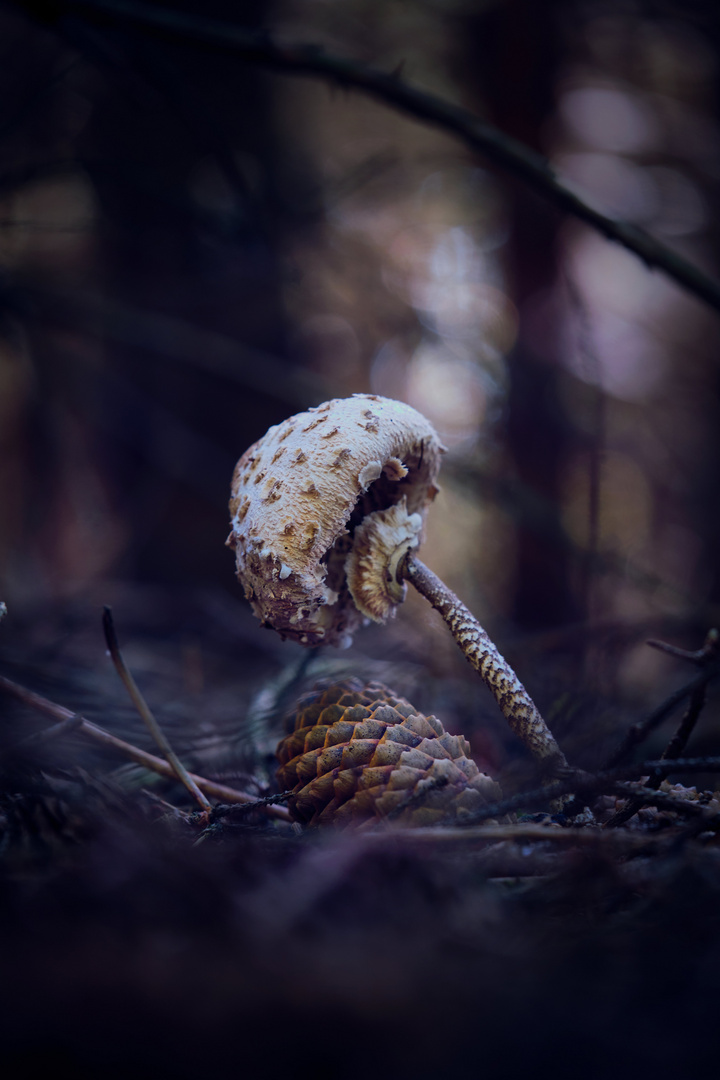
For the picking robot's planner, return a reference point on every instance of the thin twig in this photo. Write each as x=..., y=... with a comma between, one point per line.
x=673, y=650
x=640, y=731
x=689, y=765
x=646, y=795
x=687, y=725
x=387, y=87
x=149, y=761
x=672, y=752
x=168, y=807
x=149, y=720
x=54, y=732
x=216, y=820
x=588, y=784
x=701, y=658
x=522, y=833
x=235, y=810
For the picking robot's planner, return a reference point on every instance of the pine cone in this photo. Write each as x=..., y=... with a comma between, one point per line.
x=359, y=752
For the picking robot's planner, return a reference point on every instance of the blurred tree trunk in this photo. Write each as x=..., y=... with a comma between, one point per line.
x=513, y=53
x=181, y=151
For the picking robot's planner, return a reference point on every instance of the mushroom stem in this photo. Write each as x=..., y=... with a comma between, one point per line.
x=516, y=704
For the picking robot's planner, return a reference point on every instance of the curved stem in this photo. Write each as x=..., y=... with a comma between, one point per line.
x=517, y=706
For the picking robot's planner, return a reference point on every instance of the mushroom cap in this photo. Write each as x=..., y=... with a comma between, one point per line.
x=301, y=491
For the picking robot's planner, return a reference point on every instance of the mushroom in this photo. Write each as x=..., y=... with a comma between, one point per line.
x=327, y=512
x=299, y=494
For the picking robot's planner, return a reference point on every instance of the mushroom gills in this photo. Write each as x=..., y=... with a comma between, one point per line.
x=382, y=493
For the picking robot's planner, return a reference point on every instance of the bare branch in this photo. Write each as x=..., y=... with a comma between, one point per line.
x=387, y=87
x=701, y=658
x=640, y=731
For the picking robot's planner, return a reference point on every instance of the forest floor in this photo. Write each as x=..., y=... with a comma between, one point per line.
x=139, y=937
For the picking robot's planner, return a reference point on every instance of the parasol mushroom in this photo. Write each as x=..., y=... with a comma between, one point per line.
x=327, y=512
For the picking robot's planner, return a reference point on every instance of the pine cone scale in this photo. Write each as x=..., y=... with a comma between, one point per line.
x=360, y=752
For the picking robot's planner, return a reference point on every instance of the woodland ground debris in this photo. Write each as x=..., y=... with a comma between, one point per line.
x=121, y=931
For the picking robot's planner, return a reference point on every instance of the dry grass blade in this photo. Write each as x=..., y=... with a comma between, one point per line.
x=54, y=732
x=149, y=720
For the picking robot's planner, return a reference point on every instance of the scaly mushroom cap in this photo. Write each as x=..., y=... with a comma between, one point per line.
x=300, y=493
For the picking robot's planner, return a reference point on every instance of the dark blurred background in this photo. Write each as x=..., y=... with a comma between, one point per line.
x=192, y=248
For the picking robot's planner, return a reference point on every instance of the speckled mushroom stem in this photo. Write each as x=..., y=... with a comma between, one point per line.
x=516, y=704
